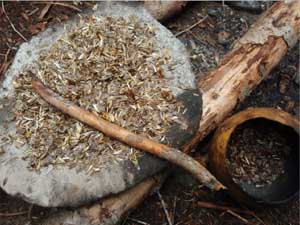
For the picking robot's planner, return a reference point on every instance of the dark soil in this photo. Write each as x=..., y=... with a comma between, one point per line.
x=26, y=18
x=181, y=192
x=257, y=151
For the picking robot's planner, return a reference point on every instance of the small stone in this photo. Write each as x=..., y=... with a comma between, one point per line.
x=194, y=57
x=223, y=37
x=95, y=7
x=213, y=12
x=290, y=105
x=192, y=44
x=283, y=83
x=297, y=77
x=255, y=6
x=296, y=111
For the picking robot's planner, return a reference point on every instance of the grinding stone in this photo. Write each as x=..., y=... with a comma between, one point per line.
x=62, y=186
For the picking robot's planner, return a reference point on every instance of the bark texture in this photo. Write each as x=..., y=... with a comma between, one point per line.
x=162, y=10
x=250, y=61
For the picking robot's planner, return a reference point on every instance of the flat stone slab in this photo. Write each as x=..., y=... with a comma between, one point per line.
x=61, y=186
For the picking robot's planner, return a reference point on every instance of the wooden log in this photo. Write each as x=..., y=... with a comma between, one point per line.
x=110, y=210
x=162, y=10
x=250, y=61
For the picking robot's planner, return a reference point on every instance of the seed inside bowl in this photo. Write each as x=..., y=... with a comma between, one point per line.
x=257, y=151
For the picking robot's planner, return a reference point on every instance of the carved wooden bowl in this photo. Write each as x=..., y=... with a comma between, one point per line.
x=286, y=185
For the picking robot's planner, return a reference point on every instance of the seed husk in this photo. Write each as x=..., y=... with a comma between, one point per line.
x=109, y=66
x=257, y=152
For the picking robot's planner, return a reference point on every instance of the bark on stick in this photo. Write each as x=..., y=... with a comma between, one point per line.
x=134, y=140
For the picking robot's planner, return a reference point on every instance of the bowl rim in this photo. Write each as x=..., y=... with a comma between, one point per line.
x=218, y=149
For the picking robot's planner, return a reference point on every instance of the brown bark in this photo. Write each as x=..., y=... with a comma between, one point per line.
x=162, y=10
x=250, y=61
x=122, y=202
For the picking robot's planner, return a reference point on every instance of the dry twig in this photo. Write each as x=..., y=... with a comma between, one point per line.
x=33, y=12
x=13, y=214
x=11, y=24
x=191, y=27
x=66, y=5
x=63, y=4
x=239, y=217
x=211, y=205
x=45, y=10
x=165, y=208
x=138, y=221
x=5, y=63
x=30, y=212
x=174, y=209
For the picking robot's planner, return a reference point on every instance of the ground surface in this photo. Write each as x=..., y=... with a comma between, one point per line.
x=207, y=46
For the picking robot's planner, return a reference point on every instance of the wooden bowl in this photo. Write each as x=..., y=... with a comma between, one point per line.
x=285, y=187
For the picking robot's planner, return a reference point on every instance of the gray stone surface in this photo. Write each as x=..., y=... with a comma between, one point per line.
x=65, y=217
x=61, y=186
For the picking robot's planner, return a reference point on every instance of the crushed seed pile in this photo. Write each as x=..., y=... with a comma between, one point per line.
x=111, y=67
x=257, y=152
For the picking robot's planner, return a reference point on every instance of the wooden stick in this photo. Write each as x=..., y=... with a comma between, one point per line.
x=12, y=25
x=165, y=208
x=211, y=205
x=66, y=5
x=239, y=217
x=4, y=64
x=45, y=11
x=191, y=27
x=174, y=209
x=138, y=221
x=137, y=141
x=13, y=214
